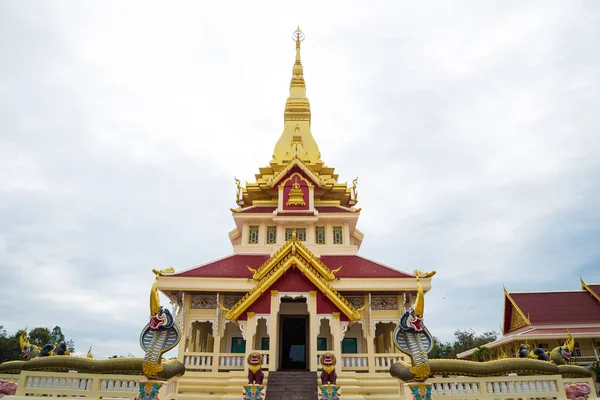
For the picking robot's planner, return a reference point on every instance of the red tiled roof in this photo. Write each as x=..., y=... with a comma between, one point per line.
x=576, y=307
x=360, y=267
x=562, y=331
x=595, y=288
x=234, y=266
x=254, y=209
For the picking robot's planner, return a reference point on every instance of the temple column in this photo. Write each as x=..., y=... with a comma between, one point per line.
x=250, y=332
x=186, y=328
x=336, y=332
x=312, y=329
x=273, y=328
x=370, y=349
x=217, y=328
x=216, y=350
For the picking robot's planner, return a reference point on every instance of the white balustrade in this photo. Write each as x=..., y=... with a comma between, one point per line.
x=231, y=361
x=198, y=361
x=65, y=384
x=383, y=362
x=355, y=362
x=505, y=387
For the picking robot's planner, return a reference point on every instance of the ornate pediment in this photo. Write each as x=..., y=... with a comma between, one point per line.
x=293, y=253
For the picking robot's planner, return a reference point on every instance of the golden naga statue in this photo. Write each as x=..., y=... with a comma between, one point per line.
x=296, y=195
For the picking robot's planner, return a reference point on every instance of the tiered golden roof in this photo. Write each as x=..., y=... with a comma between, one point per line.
x=296, y=147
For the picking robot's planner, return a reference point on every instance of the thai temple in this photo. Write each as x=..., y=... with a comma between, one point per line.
x=294, y=285
x=544, y=319
x=295, y=313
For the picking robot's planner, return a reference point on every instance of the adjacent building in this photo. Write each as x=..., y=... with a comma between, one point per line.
x=544, y=319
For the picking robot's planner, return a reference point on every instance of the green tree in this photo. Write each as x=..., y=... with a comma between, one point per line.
x=467, y=339
x=463, y=340
x=70, y=346
x=40, y=336
x=57, y=335
x=9, y=346
x=441, y=349
x=481, y=354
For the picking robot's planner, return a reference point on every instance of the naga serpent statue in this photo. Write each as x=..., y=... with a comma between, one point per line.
x=412, y=337
x=159, y=336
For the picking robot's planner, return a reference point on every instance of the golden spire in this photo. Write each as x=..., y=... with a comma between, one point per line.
x=296, y=139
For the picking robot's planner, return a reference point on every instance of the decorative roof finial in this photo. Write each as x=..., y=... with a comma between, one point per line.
x=298, y=36
x=296, y=139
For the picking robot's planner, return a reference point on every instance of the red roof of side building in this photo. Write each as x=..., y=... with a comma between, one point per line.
x=576, y=307
x=595, y=288
x=234, y=266
x=562, y=331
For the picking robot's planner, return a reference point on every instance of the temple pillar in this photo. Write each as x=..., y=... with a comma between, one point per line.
x=185, y=329
x=312, y=330
x=370, y=349
x=273, y=334
x=217, y=328
x=216, y=351
x=250, y=332
x=336, y=332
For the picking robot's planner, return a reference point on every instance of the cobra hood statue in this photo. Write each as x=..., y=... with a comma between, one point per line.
x=412, y=337
x=160, y=335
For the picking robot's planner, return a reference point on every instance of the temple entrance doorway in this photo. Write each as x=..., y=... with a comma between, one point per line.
x=293, y=350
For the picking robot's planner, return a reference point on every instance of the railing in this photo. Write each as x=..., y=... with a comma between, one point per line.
x=198, y=361
x=383, y=362
x=319, y=354
x=61, y=384
x=355, y=362
x=195, y=361
x=266, y=359
x=584, y=359
x=506, y=387
x=231, y=361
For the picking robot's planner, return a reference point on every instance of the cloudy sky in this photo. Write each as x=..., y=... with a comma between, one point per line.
x=473, y=127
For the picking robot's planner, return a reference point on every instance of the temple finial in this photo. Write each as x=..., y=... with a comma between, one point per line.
x=298, y=35
x=296, y=139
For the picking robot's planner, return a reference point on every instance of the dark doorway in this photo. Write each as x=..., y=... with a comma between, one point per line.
x=293, y=342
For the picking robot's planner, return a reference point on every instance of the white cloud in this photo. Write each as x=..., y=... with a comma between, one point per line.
x=472, y=128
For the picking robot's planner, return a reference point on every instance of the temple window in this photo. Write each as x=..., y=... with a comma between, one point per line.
x=300, y=234
x=349, y=346
x=338, y=235
x=320, y=234
x=253, y=234
x=271, y=234
x=238, y=345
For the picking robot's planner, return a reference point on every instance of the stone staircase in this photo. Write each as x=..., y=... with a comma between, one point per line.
x=228, y=386
x=292, y=385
